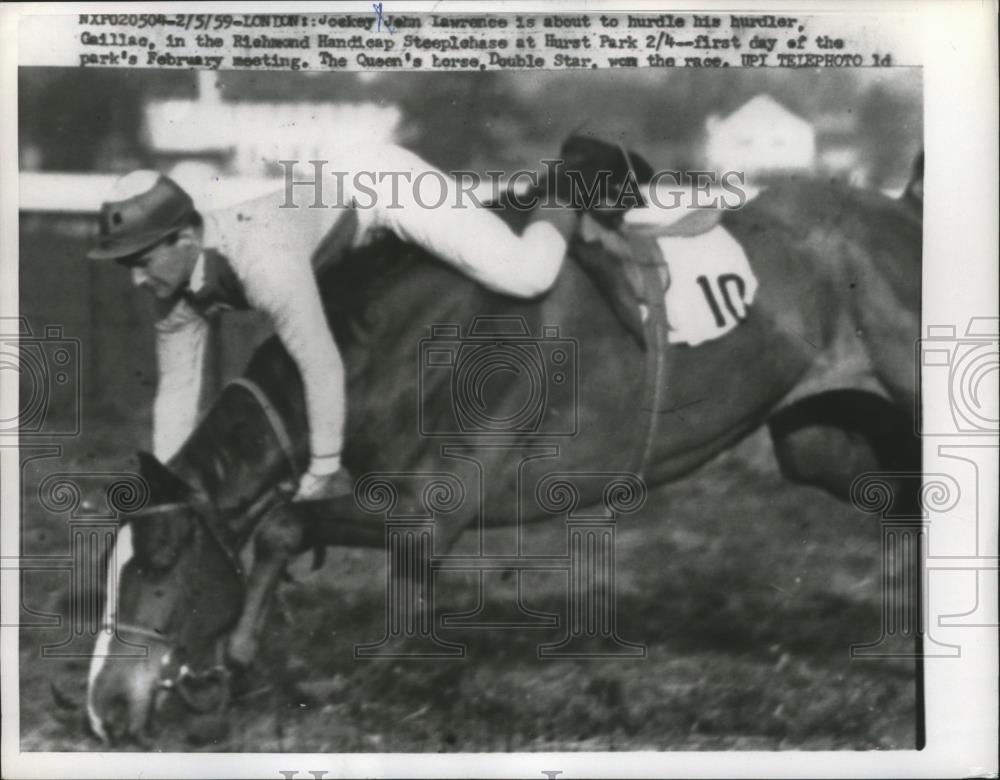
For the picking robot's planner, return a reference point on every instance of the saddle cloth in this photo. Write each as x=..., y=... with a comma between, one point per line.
x=703, y=275
x=711, y=285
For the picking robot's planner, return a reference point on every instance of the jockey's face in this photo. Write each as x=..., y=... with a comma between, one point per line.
x=167, y=267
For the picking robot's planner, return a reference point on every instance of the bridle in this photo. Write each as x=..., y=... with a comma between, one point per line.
x=210, y=520
x=181, y=682
x=187, y=677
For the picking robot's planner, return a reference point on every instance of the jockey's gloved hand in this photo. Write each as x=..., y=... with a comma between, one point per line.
x=317, y=483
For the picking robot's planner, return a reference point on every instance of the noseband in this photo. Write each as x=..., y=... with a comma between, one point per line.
x=186, y=678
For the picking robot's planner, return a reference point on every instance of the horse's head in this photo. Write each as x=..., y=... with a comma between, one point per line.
x=174, y=588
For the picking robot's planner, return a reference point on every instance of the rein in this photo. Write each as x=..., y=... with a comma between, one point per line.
x=186, y=679
x=265, y=502
x=140, y=631
x=274, y=420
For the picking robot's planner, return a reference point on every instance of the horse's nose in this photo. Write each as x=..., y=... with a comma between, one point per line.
x=115, y=723
x=118, y=701
x=119, y=720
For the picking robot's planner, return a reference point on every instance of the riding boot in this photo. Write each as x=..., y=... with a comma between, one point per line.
x=608, y=273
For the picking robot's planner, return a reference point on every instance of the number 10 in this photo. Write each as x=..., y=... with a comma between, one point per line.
x=723, y=288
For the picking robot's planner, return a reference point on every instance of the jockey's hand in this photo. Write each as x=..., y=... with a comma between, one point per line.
x=316, y=487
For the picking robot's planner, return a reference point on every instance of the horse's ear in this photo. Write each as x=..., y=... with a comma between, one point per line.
x=164, y=485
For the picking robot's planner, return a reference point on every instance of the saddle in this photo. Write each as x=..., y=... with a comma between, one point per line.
x=613, y=262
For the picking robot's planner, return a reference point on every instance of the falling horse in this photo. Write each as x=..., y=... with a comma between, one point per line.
x=440, y=382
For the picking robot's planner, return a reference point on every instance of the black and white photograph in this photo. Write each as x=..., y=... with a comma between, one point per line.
x=534, y=382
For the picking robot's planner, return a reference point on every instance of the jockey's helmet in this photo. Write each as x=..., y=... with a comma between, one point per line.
x=143, y=208
x=602, y=176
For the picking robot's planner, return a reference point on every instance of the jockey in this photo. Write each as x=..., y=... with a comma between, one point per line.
x=258, y=255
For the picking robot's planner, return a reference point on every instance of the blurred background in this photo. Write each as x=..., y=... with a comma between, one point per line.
x=862, y=124
x=220, y=135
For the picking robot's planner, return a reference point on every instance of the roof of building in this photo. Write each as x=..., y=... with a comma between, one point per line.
x=762, y=111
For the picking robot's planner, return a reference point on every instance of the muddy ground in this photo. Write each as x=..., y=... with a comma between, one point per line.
x=747, y=593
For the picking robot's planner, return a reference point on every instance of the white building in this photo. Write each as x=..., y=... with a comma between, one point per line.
x=761, y=138
x=838, y=148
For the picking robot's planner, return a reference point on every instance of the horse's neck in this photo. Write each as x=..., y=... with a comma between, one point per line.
x=234, y=459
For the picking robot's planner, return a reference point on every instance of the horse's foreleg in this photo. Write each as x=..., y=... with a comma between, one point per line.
x=284, y=533
x=279, y=539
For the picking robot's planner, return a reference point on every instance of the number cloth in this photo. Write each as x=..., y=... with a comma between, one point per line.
x=711, y=285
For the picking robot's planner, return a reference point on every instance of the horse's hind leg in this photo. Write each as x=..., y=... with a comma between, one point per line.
x=279, y=538
x=828, y=440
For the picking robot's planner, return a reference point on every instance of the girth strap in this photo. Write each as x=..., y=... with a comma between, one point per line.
x=652, y=279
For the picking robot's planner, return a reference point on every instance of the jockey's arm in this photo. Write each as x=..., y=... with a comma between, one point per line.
x=181, y=336
x=283, y=286
x=473, y=239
